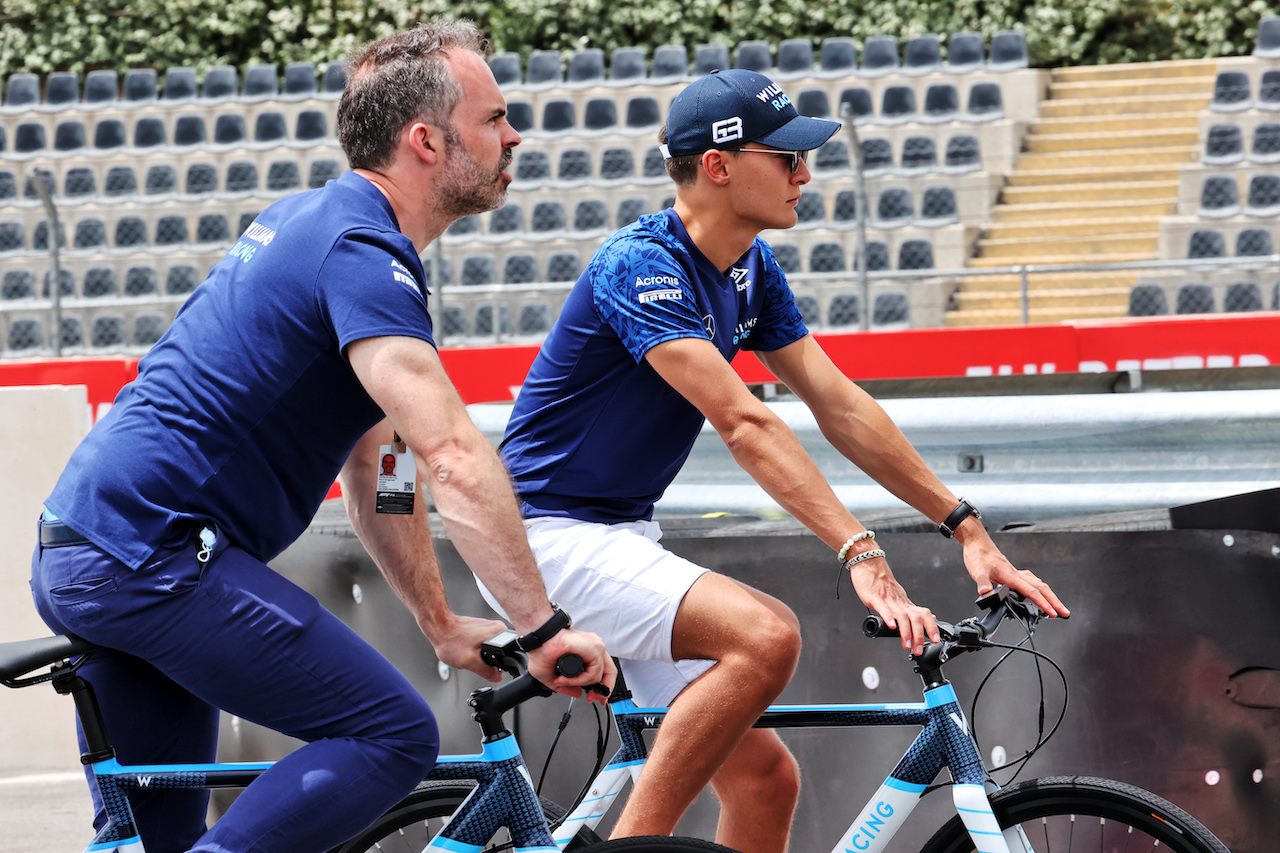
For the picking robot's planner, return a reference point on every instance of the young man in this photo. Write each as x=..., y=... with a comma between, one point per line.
x=307, y=349
x=637, y=360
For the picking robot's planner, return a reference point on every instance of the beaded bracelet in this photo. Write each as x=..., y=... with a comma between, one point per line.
x=853, y=540
x=865, y=555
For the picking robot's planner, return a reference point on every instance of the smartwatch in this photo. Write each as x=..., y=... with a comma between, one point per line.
x=948, y=527
x=537, y=638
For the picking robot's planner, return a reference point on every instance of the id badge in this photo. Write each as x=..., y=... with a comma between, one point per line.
x=397, y=479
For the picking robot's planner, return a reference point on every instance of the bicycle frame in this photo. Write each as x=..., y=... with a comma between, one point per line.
x=945, y=741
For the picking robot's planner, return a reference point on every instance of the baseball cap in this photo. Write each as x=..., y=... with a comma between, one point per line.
x=727, y=109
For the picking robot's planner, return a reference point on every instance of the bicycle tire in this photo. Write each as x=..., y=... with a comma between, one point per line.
x=1127, y=819
x=657, y=844
x=416, y=819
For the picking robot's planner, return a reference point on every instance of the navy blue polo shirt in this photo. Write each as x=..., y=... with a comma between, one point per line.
x=596, y=434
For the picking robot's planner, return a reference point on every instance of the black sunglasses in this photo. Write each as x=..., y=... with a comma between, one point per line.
x=797, y=157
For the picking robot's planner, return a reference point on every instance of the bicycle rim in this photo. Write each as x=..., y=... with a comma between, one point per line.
x=1072, y=814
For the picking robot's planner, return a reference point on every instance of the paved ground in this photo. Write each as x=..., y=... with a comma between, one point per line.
x=43, y=812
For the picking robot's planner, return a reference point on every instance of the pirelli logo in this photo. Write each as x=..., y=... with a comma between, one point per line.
x=656, y=295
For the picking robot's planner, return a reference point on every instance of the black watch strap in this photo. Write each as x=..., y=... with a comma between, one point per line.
x=965, y=509
x=537, y=638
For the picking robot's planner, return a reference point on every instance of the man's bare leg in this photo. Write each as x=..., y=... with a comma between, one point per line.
x=756, y=642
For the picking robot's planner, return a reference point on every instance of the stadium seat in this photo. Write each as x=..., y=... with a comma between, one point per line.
x=101, y=87
x=520, y=116
x=897, y=105
x=1242, y=296
x=69, y=136
x=1264, y=196
x=1008, y=51
x=242, y=177
x=710, y=57
x=1195, y=299
x=915, y=255
x=890, y=309
x=320, y=172
x=246, y=219
x=617, y=164
x=1269, y=90
x=61, y=89
x=269, y=128
x=181, y=279
x=1251, y=242
x=130, y=231
x=71, y=332
x=213, y=228
x=13, y=237
x=299, y=80
x=1268, y=44
x=520, y=269
x=753, y=56
x=453, y=321
x=464, y=226
x=963, y=154
x=795, y=58
x=8, y=185
x=643, y=113
x=837, y=57
x=985, y=102
x=563, y=266
x=1147, y=300
x=311, y=126
x=1223, y=144
x=508, y=219
x=446, y=272
x=654, y=164
x=3, y=141
x=894, y=208
x=29, y=138
x=149, y=132
x=335, y=78
x=877, y=156
x=140, y=86
x=575, y=165
x=40, y=237
x=626, y=65
x=788, y=257
x=179, y=84
x=170, y=231
x=66, y=282
x=586, y=67
x=879, y=56
x=220, y=82
x=229, y=129
x=600, y=114
x=547, y=216
x=965, y=52
x=1206, y=243
x=558, y=116
x=478, y=269
x=108, y=331
x=261, y=82
x=845, y=310
x=919, y=155
x=108, y=134
x=22, y=91
x=809, y=209
x=826, y=257
x=859, y=100
x=877, y=256
x=532, y=166
x=544, y=69
x=120, y=181
x=506, y=69
x=98, y=281
x=25, y=333
x=31, y=192
x=1265, y=147
x=813, y=103
x=834, y=154
x=941, y=103
x=1231, y=92
x=201, y=178
x=535, y=319
x=670, y=61
x=938, y=207
x=283, y=176
x=485, y=321
x=810, y=313
x=140, y=281
x=189, y=130
x=148, y=328
x=845, y=208
x=922, y=55
x=629, y=210
x=90, y=233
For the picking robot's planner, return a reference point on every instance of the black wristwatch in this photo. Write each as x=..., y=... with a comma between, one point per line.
x=948, y=527
x=535, y=639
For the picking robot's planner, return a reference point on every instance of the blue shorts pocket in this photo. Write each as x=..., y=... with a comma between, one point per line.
x=87, y=590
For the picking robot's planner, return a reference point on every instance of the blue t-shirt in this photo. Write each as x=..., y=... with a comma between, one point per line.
x=596, y=434
x=245, y=411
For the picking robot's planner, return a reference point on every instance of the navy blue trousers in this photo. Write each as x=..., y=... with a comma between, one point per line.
x=187, y=639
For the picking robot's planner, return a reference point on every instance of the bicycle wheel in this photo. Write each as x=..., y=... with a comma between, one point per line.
x=1074, y=813
x=418, y=818
x=657, y=844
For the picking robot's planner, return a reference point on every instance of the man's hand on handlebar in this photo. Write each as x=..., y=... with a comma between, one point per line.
x=989, y=567
x=599, y=666
x=875, y=584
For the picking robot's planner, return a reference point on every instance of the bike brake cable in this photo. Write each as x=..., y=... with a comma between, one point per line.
x=602, y=744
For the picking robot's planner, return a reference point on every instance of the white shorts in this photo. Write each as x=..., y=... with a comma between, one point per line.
x=615, y=580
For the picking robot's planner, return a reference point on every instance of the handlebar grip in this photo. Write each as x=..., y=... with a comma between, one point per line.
x=571, y=666
x=874, y=626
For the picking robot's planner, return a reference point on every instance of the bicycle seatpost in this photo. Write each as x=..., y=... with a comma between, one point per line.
x=97, y=746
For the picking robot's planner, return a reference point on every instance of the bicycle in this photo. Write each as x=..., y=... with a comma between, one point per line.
x=467, y=803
